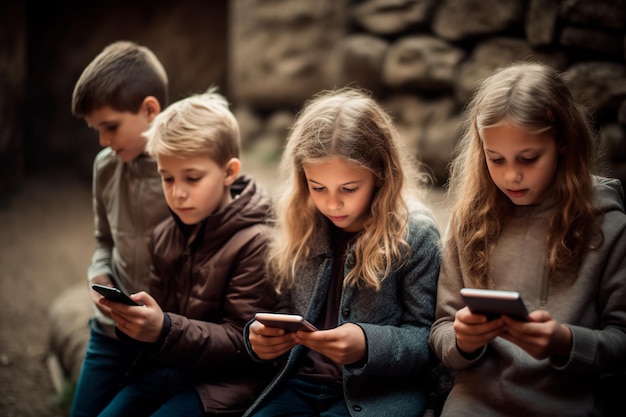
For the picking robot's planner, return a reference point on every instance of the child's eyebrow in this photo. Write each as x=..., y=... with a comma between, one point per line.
x=520, y=151
x=104, y=123
x=185, y=171
x=343, y=185
x=111, y=120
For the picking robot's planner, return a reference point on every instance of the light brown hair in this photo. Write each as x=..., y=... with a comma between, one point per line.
x=201, y=124
x=534, y=97
x=349, y=124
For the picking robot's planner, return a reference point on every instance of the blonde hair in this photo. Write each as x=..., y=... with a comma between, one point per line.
x=200, y=124
x=345, y=123
x=534, y=97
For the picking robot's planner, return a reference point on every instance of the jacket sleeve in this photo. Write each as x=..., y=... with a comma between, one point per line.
x=283, y=305
x=403, y=348
x=101, y=258
x=217, y=343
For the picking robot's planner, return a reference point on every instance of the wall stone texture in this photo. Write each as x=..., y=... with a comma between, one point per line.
x=422, y=59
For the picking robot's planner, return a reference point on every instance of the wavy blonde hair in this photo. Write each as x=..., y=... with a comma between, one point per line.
x=345, y=123
x=534, y=97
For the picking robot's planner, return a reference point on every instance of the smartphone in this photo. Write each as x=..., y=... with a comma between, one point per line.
x=289, y=322
x=114, y=294
x=495, y=303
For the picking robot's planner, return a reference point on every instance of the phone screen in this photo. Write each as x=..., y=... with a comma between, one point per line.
x=114, y=294
x=289, y=322
x=495, y=303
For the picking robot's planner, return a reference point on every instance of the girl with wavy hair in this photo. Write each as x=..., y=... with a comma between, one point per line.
x=529, y=215
x=358, y=256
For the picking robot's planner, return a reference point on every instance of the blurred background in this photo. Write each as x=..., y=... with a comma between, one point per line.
x=420, y=58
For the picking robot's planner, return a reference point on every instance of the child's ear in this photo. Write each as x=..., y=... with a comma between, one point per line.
x=233, y=167
x=151, y=106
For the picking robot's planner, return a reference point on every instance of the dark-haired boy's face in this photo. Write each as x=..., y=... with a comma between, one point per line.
x=122, y=131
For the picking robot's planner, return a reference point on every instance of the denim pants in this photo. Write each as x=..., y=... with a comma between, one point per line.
x=105, y=365
x=300, y=398
x=159, y=392
x=105, y=389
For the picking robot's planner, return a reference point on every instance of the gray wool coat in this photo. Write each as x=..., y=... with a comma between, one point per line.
x=395, y=378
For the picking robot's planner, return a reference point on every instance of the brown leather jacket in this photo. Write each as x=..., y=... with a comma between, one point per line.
x=210, y=289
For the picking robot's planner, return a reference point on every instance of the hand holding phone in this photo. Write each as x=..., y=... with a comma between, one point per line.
x=114, y=294
x=289, y=322
x=495, y=303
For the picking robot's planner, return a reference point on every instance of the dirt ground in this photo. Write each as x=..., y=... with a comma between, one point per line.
x=46, y=241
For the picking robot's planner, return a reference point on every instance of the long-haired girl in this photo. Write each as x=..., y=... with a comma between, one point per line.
x=529, y=215
x=358, y=256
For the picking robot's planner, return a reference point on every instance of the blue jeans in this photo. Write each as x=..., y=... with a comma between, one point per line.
x=106, y=362
x=160, y=392
x=300, y=398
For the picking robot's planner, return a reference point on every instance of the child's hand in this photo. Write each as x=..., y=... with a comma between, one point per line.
x=473, y=331
x=344, y=344
x=270, y=342
x=143, y=323
x=542, y=337
x=96, y=296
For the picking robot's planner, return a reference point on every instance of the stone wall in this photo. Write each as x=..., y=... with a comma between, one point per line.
x=421, y=59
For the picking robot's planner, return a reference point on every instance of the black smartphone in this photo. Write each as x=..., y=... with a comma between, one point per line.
x=114, y=294
x=495, y=303
x=289, y=322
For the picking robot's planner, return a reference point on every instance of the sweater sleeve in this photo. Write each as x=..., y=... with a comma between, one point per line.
x=602, y=348
x=449, y=301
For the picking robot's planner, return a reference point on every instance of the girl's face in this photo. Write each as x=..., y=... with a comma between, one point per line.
x=341, y=191
x=521, y=164
x=196, y=187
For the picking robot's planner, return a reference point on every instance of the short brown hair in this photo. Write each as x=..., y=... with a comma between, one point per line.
x=121, y=77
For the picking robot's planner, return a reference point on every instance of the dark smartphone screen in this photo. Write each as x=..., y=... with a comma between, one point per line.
x=114, y=294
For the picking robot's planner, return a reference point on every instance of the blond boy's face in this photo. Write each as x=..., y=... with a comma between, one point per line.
x=122, y=131
x=195, y=187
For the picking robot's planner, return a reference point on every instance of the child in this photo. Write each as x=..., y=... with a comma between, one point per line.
x=356, y=258
x=208, y=275
x=118, y=94
x=528, y=215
